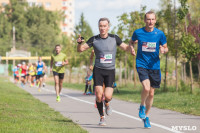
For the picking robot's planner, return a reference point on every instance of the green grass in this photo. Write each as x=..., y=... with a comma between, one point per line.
x=183, y=102
x=20, y=112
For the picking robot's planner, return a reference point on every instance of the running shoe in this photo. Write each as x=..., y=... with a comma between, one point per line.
x=102, y=121
x=142, y=110
x=22, y=84
x=58, y=99
x=108, y=109
x=146, y=123
x=44, y=84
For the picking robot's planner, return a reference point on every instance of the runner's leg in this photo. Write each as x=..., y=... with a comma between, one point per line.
x=99, y=93
x=149, y=101
x=56, y=79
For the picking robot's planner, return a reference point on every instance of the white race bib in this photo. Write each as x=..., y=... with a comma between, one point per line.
x=58, y=64
x=149, y=46
x=107, y=58
x=40, y=69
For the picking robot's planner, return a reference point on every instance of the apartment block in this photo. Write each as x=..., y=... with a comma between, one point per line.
x=66, y=6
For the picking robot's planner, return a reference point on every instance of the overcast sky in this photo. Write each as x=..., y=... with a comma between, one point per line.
x=95, y=9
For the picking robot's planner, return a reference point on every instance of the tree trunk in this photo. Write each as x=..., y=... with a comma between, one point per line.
x=134, y=71
x=79, y=76
x=70, y=74
x=176, y=67
x=175, y=44
x=191, y=77
x=120, y=72
x=165, y=81
x=199, y=73
x=125, y=70
x=184, y=72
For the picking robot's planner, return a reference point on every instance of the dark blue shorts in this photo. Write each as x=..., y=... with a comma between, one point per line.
x=153, y=75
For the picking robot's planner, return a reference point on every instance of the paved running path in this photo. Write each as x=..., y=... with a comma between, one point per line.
x=80, y=108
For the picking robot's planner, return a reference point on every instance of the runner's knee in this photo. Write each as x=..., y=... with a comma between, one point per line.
x=98, y=99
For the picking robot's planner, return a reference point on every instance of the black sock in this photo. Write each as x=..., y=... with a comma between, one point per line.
x=106, y=101
x=86, y=87
x=100, y=108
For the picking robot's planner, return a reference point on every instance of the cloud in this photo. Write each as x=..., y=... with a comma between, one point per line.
x=83, y=4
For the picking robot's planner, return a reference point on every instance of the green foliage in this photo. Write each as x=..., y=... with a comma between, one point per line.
x=36, y=28
x=189, y=48
x=182, y=12
x=83, y=29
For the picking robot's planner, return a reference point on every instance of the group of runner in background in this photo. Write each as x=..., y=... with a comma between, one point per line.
x=32, y=74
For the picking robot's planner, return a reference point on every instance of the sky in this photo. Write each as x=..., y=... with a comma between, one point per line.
x=95, y=9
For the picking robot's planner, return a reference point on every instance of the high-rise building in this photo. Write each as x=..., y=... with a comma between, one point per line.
x=67, y=6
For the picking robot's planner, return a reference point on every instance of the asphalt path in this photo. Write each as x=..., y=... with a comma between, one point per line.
x=80, y=108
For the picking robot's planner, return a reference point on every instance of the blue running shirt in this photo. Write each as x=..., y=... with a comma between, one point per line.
x=148, y=47
x=40, y=68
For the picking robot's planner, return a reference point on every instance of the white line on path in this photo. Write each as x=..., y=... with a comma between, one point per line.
x=117, y=112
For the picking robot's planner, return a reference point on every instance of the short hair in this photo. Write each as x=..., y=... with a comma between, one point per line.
x=104, y=19
x=149, y=12
x=58, y=45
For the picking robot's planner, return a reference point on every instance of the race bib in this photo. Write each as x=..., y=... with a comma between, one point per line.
x=40, y=69
x=58, y=64
x=149, y=46
x=107, y=58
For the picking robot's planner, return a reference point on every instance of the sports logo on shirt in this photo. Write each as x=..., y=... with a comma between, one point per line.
x=149, y=46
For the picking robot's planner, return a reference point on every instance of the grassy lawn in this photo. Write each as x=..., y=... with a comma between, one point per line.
x=183, y=102
x=22, y=113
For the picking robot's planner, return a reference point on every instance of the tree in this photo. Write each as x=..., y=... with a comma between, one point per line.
x=37, y=29
x=190, y=49
x=83, y=29
x=129, y=22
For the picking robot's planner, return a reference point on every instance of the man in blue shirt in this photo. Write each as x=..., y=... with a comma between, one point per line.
x=150, y=40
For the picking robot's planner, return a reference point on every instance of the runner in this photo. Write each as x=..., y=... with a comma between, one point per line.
x=15, y=72
x=40, y=69
x=58, y=62
x=105, y=47
x=32, y=71
x=149, y=39
x=27, y=73
x=88, y=83
x=44, y=77
x=23, y=74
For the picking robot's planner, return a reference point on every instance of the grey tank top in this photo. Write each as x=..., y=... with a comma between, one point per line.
x=105, y=50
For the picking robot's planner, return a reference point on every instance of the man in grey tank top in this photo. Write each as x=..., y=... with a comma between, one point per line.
x=105, y=48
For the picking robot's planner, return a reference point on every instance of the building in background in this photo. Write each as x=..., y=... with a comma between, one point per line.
x=67, y=6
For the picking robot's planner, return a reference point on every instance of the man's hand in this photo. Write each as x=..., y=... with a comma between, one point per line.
x=91, y=67
x=132, y=50
x=65, y=62
x=80, y=39
x=162, y=49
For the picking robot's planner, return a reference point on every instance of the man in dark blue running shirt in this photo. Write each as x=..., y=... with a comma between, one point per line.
x=150, y=40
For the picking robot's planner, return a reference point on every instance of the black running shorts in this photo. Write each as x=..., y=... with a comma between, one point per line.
x=101, y=76
x=39, y=76
x=60, y=75
x=153, y=75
